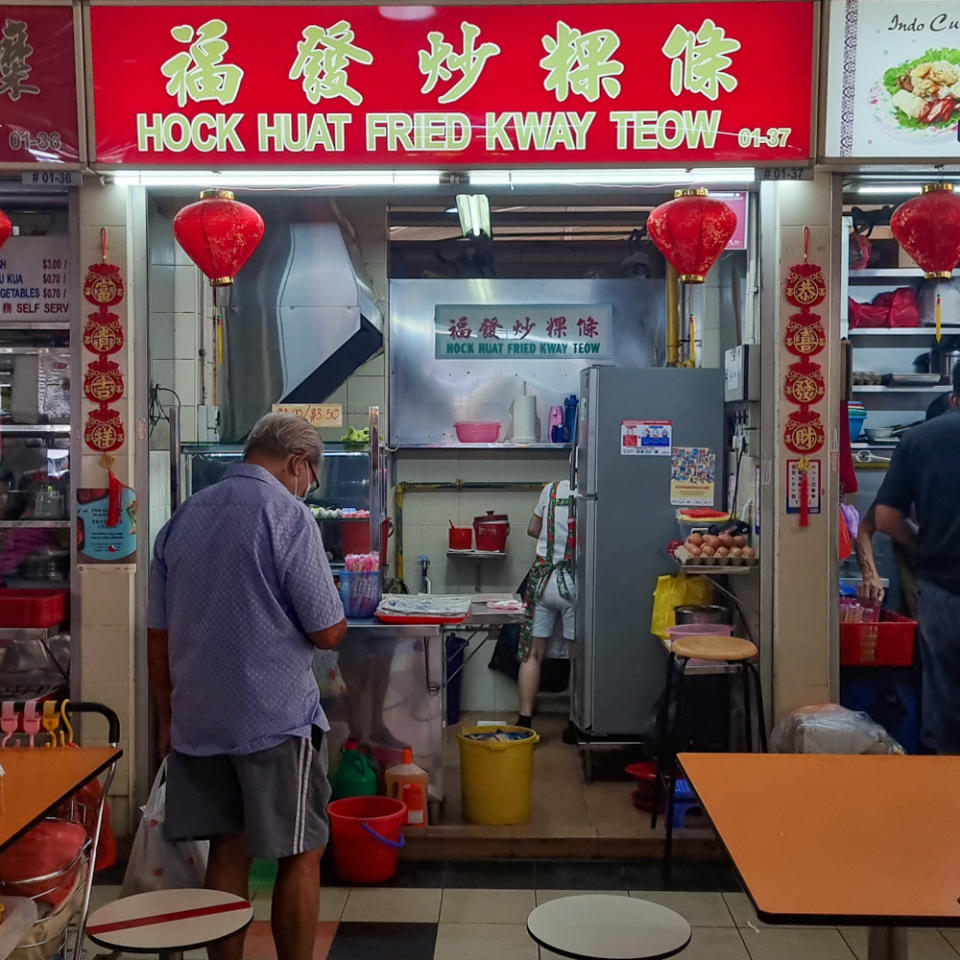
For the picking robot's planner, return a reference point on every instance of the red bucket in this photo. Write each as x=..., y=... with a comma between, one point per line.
x=367, y=835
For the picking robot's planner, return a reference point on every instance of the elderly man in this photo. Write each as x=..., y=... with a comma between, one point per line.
x=241, y=594
x=924, y=476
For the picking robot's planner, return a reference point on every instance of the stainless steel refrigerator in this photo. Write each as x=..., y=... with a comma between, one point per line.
x=629, y=424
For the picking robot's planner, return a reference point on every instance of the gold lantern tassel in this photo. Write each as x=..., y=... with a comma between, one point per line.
x=693, y=342
x=939, y=312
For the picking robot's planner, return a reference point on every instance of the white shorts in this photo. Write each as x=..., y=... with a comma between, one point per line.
x=551, y=605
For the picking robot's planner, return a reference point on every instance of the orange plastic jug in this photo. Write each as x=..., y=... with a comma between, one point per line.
x=407, y=782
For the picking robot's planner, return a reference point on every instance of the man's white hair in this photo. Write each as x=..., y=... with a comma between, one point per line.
x=284, y=435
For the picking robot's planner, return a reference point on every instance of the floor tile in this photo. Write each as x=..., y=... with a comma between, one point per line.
x=579, y=875
x=544, y=896
x=796, y=943
x=419, y=873
x=101, y=895
x=490, y=875
x=486, y=906
x=952, y=936
x=924, y=944
x=715, y=943
x=727, y=878
x=699, y=909
x=332, y=901
x=745, y=915
x=483, y=941
x=384, y=941
x=392, y=905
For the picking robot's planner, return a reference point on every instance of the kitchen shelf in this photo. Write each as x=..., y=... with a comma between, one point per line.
x=913, y=332
x=484, y=446
x=34, y=427
x=29, y=524
x=876, y=388
x=888, y=273
x=477, y=554
x=35, y=325
x=718, y=569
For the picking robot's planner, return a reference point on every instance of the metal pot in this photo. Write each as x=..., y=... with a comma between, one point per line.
x=707, y=613
x=944, y=362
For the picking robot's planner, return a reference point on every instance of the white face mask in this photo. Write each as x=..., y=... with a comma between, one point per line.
x=296, y=489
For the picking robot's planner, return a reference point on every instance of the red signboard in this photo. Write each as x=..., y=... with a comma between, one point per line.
x=38, y=86
x=634, y=83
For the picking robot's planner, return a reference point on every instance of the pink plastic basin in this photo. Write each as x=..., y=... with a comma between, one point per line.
x=477, y=431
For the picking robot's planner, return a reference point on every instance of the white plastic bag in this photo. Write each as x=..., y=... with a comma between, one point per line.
x=156, y=863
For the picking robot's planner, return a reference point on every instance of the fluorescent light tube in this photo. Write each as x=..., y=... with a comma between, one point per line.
x=200, y=179
x=474, y=212
x=611, y=177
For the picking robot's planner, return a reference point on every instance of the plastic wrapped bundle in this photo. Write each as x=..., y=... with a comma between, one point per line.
x=830, y=728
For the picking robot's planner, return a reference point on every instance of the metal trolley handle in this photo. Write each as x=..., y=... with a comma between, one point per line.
x=113, y=721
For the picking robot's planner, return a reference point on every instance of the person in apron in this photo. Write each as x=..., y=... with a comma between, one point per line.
x=551, y=591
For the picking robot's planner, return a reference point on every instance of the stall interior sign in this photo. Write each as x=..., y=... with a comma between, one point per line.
x=493, y=84
x=804, y=383
x=103, y=335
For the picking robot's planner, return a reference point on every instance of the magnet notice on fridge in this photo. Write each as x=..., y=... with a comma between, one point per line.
x=893, y=88
x=699, y=83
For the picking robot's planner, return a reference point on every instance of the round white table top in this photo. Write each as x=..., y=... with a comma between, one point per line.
x=603, y=927
x=168, y=920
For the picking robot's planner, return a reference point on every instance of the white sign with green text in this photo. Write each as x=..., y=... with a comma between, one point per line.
x=523, y=332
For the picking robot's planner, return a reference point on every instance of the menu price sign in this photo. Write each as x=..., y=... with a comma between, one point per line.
x=523, y=332
x=420, y=85
x=35, y=281
x=38, y=86
x=317, y=414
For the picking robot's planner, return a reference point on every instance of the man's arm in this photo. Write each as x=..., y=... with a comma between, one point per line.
x=871, y=590
x=896, y=526
x=161, y=684
x=331, y=637
x=534, y=527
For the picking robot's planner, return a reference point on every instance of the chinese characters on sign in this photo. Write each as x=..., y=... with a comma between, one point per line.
x=518, y=332
x=459, y=83
x=35, y=281
x=38, y=98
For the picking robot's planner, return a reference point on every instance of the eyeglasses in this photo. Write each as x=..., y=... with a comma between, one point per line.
x=315, y=482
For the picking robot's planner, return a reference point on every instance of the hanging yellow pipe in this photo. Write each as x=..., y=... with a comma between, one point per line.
x=673, y=317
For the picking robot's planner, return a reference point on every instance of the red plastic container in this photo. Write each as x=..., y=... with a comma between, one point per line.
x=33, y=608
x=884, y=643
x=491, y=531
x=367, y=835
x=461, y=538
x=477, y=431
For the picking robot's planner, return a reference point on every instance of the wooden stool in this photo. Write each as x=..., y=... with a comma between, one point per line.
x=603, y=927
x=734, y=652
x=168, y=922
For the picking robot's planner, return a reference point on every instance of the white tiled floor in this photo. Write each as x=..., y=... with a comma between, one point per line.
x=480, y=924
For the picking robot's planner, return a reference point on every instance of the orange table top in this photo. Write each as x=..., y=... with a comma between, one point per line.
x=38, y=779
x=843, y=839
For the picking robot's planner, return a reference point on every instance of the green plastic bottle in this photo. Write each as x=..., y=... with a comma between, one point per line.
x=357, y=774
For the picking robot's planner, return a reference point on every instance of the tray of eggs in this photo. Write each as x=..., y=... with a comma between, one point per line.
x=722, y=548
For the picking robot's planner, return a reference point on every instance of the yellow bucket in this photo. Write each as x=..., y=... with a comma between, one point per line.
x=496, y=779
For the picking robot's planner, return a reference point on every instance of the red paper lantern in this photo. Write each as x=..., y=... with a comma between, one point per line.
x=691, y=231
x=6, y=228
x=928, y=228
x=219, y=234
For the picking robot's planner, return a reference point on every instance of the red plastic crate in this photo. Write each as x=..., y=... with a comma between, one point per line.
x=884, y=643
x=33, y=608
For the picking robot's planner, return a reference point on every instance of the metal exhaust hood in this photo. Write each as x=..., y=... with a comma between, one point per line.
x=300, y=318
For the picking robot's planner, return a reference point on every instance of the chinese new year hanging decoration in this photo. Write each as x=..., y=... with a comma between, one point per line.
x=219, y=234
x=928, y=229
x=804, y=384
x=6, y=228
x=103, y=335
x=691, y=231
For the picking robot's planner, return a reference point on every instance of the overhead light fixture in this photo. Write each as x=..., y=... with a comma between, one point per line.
x=890, y=189
x=474, y=212
x=199, y=179
x=666, y=176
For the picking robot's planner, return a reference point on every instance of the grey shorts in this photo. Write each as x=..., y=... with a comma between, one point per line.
x=276, y=798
